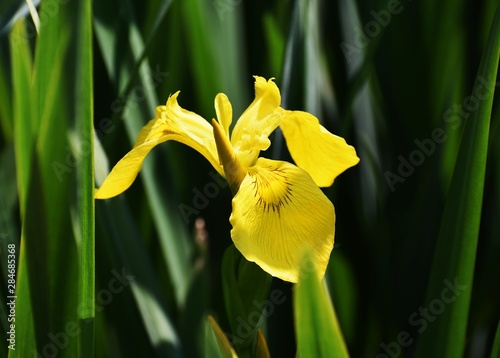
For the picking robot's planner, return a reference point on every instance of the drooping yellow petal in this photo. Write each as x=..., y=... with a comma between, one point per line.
x=145, y=131
x=125, y=171
x=320, y=153
x=171, y=123
x=279, y=212
x=224, y=112
x=251, y=132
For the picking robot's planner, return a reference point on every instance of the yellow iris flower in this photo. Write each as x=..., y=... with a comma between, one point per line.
x=278, y=208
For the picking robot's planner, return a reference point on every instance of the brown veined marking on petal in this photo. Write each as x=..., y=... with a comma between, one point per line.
x=158, y=134
x=167, y=132
x=265, y=189
x=158, y=130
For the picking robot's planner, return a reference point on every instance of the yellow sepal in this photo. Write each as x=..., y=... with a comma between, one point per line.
x=126, y=170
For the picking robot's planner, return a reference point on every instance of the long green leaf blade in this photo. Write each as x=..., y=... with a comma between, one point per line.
x=24, y=143
x=21, y=60
x=455, y=255
x=175, y=244
x=48, y=263
x=216, y=343
x=124, y=242
x=85, y=177
x=316, y=326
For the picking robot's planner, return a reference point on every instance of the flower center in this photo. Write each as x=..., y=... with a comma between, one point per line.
x=272, y=187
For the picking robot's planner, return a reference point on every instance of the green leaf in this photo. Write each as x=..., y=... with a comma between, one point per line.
x=455, y=255
x=261, y=350
x=48, y=278
x=24, y=150
x=126, y=249
x=175, y=244
x=361, y=107
x=275, y=43
x=11, y=11
x=33, y=274
x=316, y=327
x=85, y=176
x=246, y=287
x=341, y=281
x=144, y=48
x=215, y=33
x=21, y=60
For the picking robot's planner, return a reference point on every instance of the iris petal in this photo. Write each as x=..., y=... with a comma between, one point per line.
x=224, y=112
x=279, y=212
x=125, y=171
x=144, y=132
x=251, y=132
x=320, y=153
x=171, y=123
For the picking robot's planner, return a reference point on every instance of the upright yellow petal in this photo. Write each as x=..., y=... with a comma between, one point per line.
x=251, y=132
x=279, y=212
x=320, y=153
x=191, y=129
x=171, y=123
x=224, y=112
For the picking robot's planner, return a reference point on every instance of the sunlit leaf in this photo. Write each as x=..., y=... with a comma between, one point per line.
x=316, y=326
